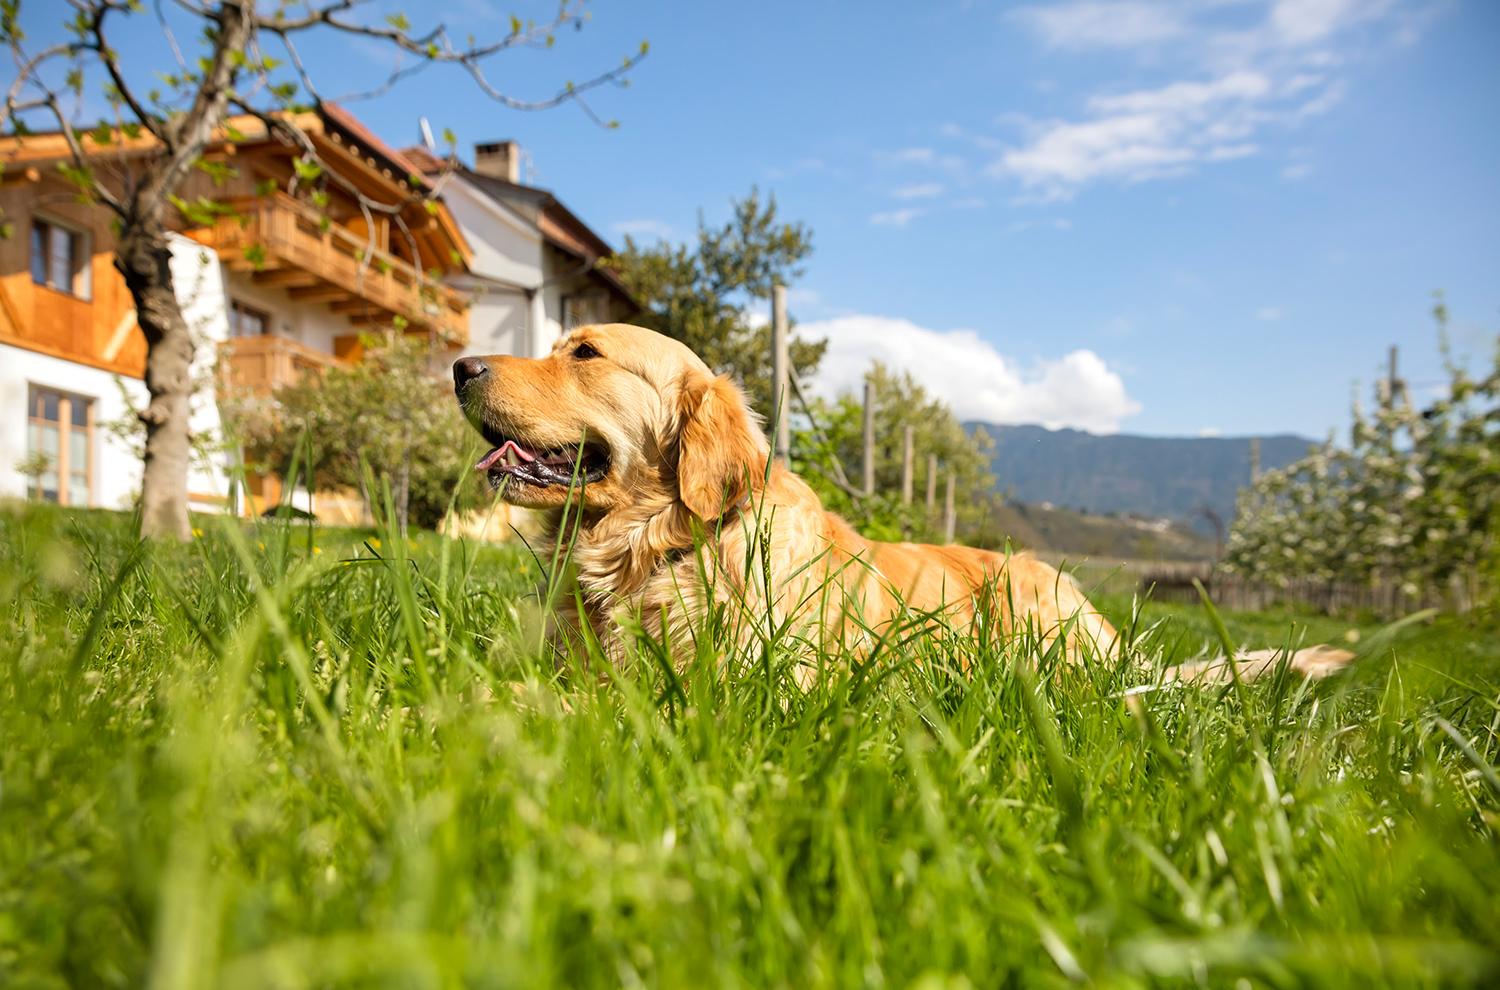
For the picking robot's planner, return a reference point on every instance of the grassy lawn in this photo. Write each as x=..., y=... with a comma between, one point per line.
x=290, y=758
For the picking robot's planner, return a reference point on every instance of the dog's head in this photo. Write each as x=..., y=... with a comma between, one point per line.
x=616, y=416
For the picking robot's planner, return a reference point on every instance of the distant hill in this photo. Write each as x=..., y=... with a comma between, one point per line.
x=1067, y=533
x=1158, y=477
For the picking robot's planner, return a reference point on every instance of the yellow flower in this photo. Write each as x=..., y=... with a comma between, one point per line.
x=375, y=542
x=261, y=544
x=197, y=532
x=317, y=549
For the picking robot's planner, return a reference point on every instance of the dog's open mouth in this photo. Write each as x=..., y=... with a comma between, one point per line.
x=512, y=461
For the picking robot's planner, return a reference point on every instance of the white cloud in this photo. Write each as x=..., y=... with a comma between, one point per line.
x=1092, y=24
x=1300, y=22
x=971, y=376
x=919, y=190
x=1210, y=431
x=922, y=159
x=1184, y=97
x=1041, y=223
x=909, y=156
x=896, y=218
x=1259, y=66
x=1143, y=134
x=1296, y=170
x=644, y=229
x=1269, y=313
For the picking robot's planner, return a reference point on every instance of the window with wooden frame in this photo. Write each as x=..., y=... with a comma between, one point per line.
x=61, y=429
x=247, y=321
x=60, y=258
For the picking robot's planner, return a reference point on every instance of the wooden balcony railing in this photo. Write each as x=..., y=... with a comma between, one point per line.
x=262, y=364
x=287, y=234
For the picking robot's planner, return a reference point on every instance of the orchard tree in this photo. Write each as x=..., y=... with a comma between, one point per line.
x=229, y=57
x=699, y=293
x=1414, y=500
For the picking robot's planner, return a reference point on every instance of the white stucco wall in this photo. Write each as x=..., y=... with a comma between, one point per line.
x=312, y=324
x=507, y=261
x=498, y=321
x=199, y=280
x=506, y=247
x=117, y=468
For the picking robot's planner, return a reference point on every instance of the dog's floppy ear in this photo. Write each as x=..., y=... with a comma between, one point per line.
x=721, y=451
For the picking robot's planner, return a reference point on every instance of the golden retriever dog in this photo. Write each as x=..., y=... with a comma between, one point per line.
x=654, y=478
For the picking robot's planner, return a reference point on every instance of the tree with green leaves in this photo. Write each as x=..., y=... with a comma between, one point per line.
x=236, y=57
x=700, y=293
x=827, y=446
x=361, y=426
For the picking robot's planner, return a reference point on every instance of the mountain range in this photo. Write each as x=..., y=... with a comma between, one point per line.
x=1156, y=477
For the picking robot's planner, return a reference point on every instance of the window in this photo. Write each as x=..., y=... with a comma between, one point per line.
x=247, y=322
x=59, y=259
x=61, y=430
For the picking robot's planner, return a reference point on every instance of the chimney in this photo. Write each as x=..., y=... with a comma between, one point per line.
x=498, y=160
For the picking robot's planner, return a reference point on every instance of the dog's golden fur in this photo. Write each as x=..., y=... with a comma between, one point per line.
x=689, y=517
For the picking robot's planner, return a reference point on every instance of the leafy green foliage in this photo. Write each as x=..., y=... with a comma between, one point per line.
x=202, y=212
x=1414, y=499
x=899, y=401
x=385, y=414
x=697, y=293
x=292, y=757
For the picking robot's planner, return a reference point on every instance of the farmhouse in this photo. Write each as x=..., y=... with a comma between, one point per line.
x=279, y=272
x=535, y=270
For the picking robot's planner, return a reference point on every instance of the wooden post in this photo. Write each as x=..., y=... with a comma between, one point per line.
x=908, y=451
x=931, y=487
x=780, y=375
x=1392, y=383
x=1254, y=459
x=869, y=463
x=950, y=514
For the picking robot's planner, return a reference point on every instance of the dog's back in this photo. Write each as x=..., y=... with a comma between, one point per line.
x=857, y=586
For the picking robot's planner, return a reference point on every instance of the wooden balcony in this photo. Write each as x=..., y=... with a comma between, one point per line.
x=259, y=365
x=318, y=261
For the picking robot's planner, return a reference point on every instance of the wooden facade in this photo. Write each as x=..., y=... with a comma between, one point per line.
x=314, y=239
x=261, y=364
x=327, y=263
x=95, y=323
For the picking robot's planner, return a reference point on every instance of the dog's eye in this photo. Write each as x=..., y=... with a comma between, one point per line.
x=585, y=351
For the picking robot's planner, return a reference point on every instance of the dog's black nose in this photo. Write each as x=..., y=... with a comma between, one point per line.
x=465, y=370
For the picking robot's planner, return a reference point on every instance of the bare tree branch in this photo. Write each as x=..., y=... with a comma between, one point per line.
x=435, y=48
x=111, y=63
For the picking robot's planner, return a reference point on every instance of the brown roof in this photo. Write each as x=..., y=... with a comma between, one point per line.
x=347, y=122
x=422, y=159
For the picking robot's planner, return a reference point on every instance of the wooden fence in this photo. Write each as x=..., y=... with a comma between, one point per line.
x=1172, y=581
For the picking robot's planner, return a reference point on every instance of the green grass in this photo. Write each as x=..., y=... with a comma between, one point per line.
x=243, y=763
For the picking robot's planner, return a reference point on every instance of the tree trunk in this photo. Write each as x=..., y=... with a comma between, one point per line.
x=143, y=256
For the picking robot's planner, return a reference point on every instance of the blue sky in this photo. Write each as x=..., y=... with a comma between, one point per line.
x=1168, y=217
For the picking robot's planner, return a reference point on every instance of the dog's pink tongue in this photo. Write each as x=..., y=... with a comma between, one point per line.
x=498, y=454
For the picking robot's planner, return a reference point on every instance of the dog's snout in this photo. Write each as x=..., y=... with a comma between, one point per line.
x=467, y=369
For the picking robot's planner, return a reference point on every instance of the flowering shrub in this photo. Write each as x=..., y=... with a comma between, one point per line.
x=1414, y=499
